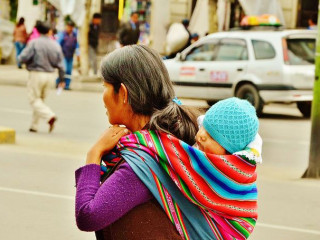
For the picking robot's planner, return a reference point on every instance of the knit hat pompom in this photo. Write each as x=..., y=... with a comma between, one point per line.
x=233, y=123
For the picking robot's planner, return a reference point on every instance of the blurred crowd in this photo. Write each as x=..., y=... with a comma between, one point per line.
x=131, y=32
x=67, y=39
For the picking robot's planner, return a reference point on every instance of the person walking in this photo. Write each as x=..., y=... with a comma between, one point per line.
x=42, y=56
x=93, y=39
x=20, y=36
x=129, y=32
x=68, y=42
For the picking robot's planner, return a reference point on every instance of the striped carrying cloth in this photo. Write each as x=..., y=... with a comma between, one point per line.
x=206, y=196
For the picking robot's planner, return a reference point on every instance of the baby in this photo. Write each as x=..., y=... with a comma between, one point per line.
x=228, y=127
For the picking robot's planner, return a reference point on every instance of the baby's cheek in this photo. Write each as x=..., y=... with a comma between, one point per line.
x=200, y=147
x=209, y=149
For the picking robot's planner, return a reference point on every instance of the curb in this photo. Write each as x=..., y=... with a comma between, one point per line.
x=7, y=135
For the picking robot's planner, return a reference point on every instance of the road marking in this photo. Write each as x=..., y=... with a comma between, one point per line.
x=44, y=194
x=36, y=193
x=283, y=141
x=288, y=228
x=15, y=111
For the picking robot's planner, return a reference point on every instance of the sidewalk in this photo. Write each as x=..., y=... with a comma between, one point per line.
x=11, y=75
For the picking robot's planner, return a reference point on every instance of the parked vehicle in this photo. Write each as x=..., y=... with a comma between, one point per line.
x=261, y=66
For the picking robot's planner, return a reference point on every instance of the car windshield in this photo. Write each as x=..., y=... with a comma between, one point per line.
x=301, y=51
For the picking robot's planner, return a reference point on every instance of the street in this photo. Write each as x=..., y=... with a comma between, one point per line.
x=37, y=173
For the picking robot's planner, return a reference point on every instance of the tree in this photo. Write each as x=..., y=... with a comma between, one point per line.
x=13, y=10
x=313, y=170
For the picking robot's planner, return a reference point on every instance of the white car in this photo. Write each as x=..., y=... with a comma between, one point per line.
x=261, y=66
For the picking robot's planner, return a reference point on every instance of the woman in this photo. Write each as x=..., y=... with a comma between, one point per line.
x=138, y=94
x=159, y=186
x=20, y=38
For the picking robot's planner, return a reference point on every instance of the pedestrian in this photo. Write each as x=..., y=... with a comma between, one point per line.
x=194, y=38
x=68, y=42
x=137, y=94
x=229, y=132
x=20, y=36
x=129, y=32
x=34, y=34
x=42, y=56
x=152, y=191
x=93, y=39
x=312, y=22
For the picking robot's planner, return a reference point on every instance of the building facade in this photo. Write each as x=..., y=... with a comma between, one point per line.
x=5, y=9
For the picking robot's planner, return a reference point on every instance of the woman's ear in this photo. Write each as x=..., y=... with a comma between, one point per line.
x=123, y=94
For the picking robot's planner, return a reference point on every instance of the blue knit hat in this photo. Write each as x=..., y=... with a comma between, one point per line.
x=233, y=123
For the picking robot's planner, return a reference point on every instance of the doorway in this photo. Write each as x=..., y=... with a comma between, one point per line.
x=307, y=9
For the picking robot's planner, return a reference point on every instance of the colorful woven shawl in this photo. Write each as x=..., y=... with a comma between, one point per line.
x=206, y=196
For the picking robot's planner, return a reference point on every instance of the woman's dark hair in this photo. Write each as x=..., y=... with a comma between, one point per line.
x=97, y=15
x=20, y=22
x=150, y=91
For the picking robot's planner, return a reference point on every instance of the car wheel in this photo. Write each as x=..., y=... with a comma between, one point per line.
x=250, y=93
x=305, y=108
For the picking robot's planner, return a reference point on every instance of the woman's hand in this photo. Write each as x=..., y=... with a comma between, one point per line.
x=105, y=143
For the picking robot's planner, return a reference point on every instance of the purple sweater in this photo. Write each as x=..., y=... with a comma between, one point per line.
x=98, y=206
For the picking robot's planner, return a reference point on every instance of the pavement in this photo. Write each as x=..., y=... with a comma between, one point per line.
x=13, y=76
x=288, y=205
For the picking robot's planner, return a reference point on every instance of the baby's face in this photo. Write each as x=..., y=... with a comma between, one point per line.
x=207, y=144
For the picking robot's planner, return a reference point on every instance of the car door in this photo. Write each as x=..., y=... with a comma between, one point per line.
x=299, y=69
x=229, y=65
x=193, y=77
x=266, y=64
